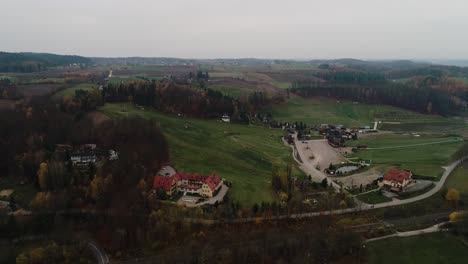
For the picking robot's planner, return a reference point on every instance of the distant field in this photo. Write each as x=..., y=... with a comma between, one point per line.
x=426, y=157
x=282, y=85
x=233, y=91
x=242, y=154
x=424, y=249
x=329, y=111
x=71, y=91
x=373, y=198
x=459, y=179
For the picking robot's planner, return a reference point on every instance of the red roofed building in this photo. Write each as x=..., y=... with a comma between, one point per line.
x=194, y=183
x=397, y=179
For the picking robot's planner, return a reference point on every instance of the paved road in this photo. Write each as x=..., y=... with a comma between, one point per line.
x=432, y=229
x=101, y=256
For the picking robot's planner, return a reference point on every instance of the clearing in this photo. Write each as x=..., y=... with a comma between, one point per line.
x=70, y=92
x=426, y=249
x=242, y=154
x=319, y=110
x=459, y=179
x=424, y=155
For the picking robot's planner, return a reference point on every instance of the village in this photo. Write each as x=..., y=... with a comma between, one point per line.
x=329, y=157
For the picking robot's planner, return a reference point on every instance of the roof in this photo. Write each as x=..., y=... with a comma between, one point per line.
x=397, y=175
x=161, y=181
x=212, y=181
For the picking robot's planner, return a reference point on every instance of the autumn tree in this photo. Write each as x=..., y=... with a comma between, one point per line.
x=453, y=196
x=42, y=176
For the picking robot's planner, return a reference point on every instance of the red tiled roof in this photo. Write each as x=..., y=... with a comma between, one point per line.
x=163, y=182
x=397, y=175
x=212, y=181
x=166, y=182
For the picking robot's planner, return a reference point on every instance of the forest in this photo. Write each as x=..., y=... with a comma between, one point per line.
x=34, y=62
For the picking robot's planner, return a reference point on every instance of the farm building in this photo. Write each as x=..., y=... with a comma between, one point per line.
x=205, y=186
x=396, y=179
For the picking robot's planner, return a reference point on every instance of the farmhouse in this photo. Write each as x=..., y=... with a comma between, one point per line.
x=396, y=179
x=206, y=186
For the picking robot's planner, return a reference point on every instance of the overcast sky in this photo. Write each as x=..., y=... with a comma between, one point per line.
x=300, y=29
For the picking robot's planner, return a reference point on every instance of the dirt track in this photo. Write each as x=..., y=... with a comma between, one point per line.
x=319, y=152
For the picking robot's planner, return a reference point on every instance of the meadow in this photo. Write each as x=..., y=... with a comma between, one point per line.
x=424, y=155
x=459, y=179
x=70, y=92
x=242, y=154
x=316, y=111
x=425, y=249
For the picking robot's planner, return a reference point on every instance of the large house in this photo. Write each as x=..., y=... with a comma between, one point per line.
x=206, y=186
x=397, y=179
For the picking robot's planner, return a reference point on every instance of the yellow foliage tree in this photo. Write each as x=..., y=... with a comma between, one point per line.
x=452, y=196
x=42, y=176
x=343, y=204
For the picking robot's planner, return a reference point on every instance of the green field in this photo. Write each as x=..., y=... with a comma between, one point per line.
x=424, y=249
x=459, y=179
x=70, y=92
x=242, y=154
x=373, y=198
x=329, y=111
x=282, y=85
x=410, y=152
x=229, y=90
x=23, y=193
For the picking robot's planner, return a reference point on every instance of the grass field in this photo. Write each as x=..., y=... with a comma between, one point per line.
x=282, y=85
x=459, y=179
x=239, y=153
x=409, y=152
x=424, y=249
x=70, y=92
x=373, y=198
x=329, y=111
x=229, y=90
x=23, y=194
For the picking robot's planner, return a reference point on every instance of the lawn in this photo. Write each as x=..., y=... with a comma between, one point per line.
x=409, y=153
x=424, y=249
x=230, y=90
x=242, y=154
x=23, y=193
x=373, y=198
x=329, y=111
x=459, y=179
x=282, y=85
x=70, y=92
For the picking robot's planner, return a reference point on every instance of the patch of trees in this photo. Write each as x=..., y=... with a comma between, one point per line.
x=28, y=139
x=8, y=89
x=349, y=77
x=421, y=99
x=170, y=97
x=34, y=62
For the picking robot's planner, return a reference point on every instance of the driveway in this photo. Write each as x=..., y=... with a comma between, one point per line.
x=217, y=198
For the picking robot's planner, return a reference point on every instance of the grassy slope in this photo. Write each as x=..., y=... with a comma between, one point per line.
x=425, y=249
x=459, y=179
x=242, y=154
x=423, y=160
x=71, y=91
x=232, y=91
x=329, y=111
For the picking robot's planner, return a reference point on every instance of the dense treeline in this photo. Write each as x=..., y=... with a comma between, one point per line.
x=170, y=97
x=421, y=99
x=34, y=62
x=28, y=140
x=350, y=77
